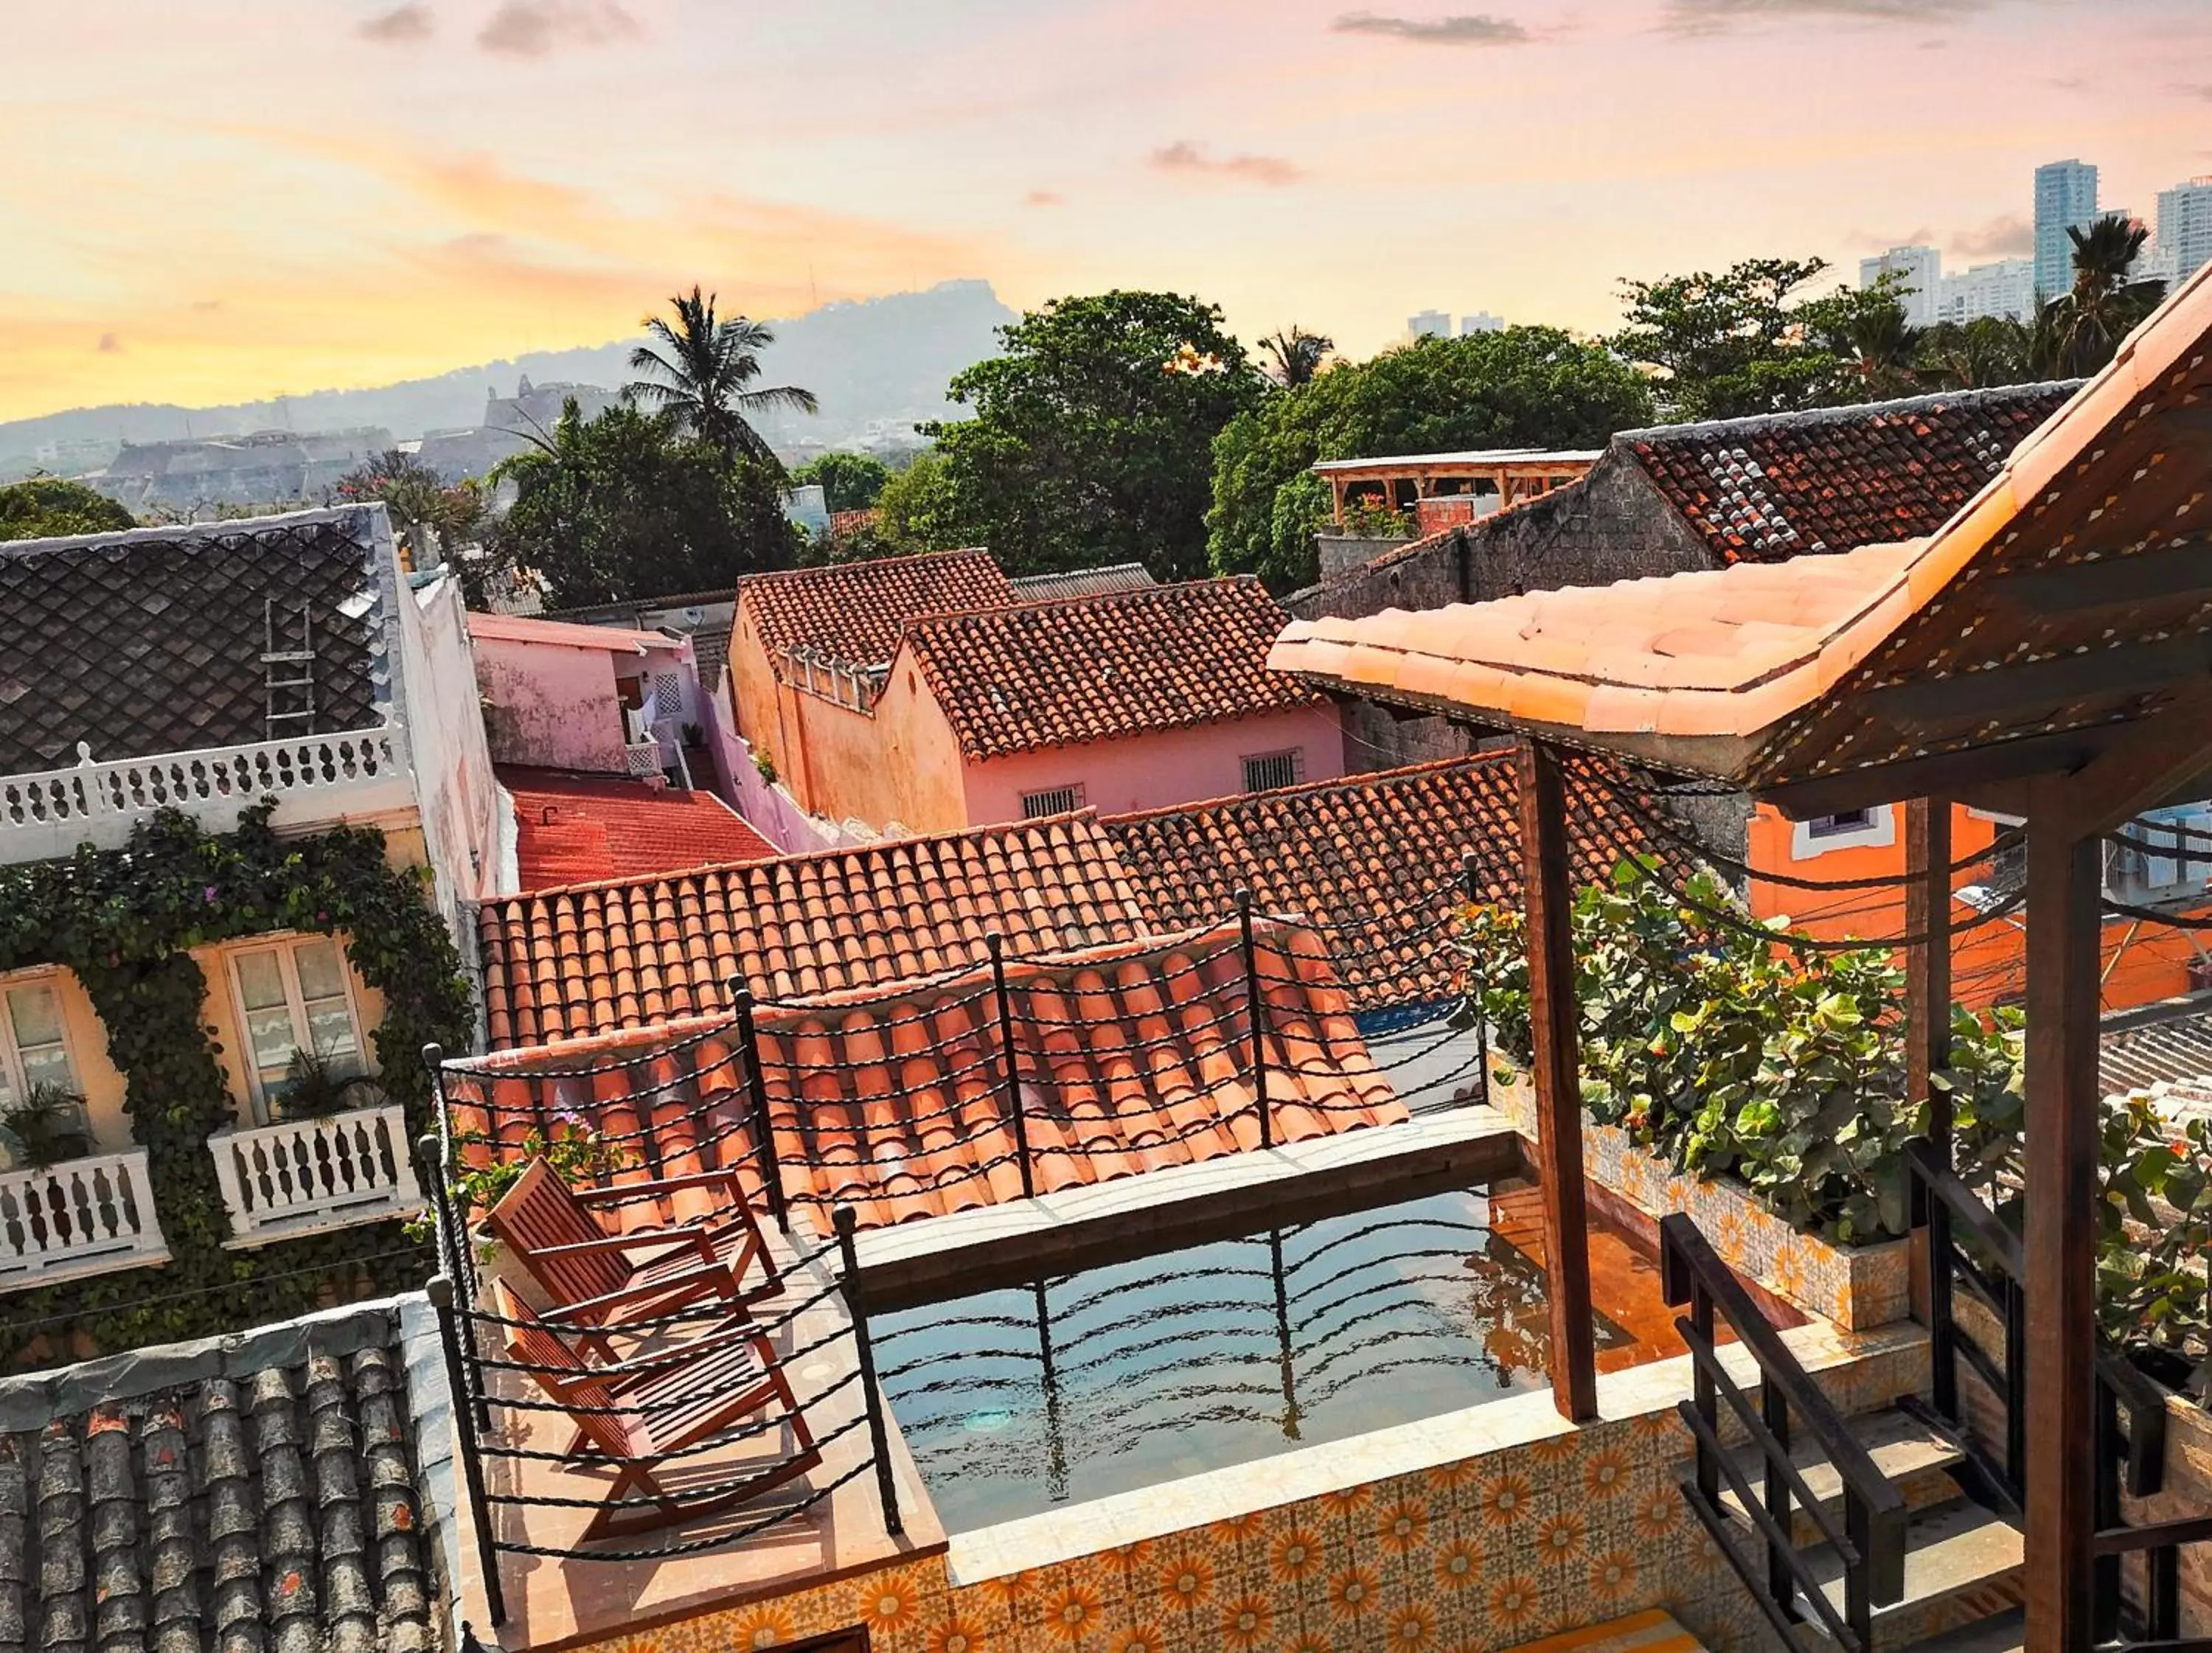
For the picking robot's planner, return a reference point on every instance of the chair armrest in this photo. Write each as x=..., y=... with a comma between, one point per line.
x=663, y=1236
x=631, y=1293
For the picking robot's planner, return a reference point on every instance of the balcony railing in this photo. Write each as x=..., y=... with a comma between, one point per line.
x=82, y=1217
x=51, y=812
x=310, y=1175
x=643, y=759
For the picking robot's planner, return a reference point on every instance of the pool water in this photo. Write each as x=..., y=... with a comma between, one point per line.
x=1075, y=1387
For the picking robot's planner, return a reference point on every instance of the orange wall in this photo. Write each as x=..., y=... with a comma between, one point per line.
x=2143, y=962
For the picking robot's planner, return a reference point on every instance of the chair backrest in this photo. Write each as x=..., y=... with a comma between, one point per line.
x=539, y=1213
x=560, y=1371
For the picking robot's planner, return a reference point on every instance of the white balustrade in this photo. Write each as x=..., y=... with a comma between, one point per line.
x=82, y=1217
x=643, y=757
x=52, y=812
x=307, y=1176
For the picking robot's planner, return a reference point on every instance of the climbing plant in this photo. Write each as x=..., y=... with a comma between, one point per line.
x=125, y=922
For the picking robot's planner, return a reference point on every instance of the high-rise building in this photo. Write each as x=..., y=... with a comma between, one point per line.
x=2066, y=198
x=1429, y=323
x=1919, y=272
x=2006, y=287
x=2184, y=229
x=1481, y=322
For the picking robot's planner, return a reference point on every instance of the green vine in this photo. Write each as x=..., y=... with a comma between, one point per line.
x=125, y=922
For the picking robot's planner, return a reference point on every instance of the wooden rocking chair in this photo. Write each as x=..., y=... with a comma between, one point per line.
x=591, y=1277
x=638, y=1413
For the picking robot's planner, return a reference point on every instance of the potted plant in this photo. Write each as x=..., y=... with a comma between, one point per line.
x=314, y=1088
x=46, y=1128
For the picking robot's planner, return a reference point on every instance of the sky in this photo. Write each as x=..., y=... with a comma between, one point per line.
x=233, y=199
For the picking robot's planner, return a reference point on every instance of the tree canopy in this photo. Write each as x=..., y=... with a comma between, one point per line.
x=2083, y=326
x=1749, y=340
x=627, y=505
x=418, y=497
x=1090, y=438
x=48, y=508
x=700, y=370
x=849, y=482
x=1525, y=386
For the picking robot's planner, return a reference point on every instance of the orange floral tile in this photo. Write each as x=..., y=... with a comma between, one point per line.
x=1143, y=1636
x=1411, y=1628
x=958, y=1635
x=1607, y=1473
x=767, y=1626
x=1403, y=1527
x=1561, y=1538
x=1353, y=1592
x=1557, y=1448
x=1247, y=1623
x=1515, y=1605
x=1613, y=1575
x=1659, y=1514
x=1295, y=1556
x=1458, y=1565
x=1186, y=1582
x=886, y=1602
x=1349, y=1501
x=1503, y=1500
x=1071, y=1612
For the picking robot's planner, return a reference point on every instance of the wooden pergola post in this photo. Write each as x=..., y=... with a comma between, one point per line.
x=1553, y=1016
x=1928, y=960
x=2064, y=907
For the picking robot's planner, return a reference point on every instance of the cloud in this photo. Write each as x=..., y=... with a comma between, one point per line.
x=2198, y=90
x=1715, y=16
x=1477, y=28
x=110, y=345
x=1921, y=235
x=2008, y=235
x=534, y=29
x=1185, y=156
x=400, y=24
x=1043, y=198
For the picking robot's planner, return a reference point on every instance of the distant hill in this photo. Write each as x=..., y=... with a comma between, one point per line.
x=877, y=360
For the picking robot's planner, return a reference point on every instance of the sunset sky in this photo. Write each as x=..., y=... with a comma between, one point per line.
x=227, y=199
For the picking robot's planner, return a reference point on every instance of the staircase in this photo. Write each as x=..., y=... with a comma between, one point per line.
x=1901, y=1528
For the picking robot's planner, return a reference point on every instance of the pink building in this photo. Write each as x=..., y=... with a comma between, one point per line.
x=921, y=694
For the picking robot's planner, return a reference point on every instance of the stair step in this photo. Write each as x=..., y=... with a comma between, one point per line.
x=1651, y=1631
x=1911, y=1457
x=2006, y=1632
x=1961, y=1566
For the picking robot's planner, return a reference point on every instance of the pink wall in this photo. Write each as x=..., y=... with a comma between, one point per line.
x=550, y=706
x=1171, y=766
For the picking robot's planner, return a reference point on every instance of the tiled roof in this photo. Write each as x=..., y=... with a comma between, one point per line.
x=853, y=612
x=1099, y=668
x=1766, y=675
x=591, y=959
x=200, y=1498
x=571, y=829
x=1129, y=1057
x=2168, y=1045
x=151, y=641
x=1780, y=485
x=1082, y=582
x=1375, y=859
x=567, y=633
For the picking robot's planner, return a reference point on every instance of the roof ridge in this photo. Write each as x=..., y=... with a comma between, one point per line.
x=1089, y=599
x=825, y=571
x=1371, y=779
x=1797, y=419
x=232, y=528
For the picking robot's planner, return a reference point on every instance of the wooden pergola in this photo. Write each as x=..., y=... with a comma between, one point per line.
x=2047, y=653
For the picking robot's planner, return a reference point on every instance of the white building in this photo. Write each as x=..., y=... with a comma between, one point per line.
x=1429, y=323
x=2066, y=198
x=2184, y=229
x=1920, y=271
x=1481, y=322
x=2006, y=289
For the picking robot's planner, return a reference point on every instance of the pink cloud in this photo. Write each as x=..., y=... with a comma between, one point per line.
x=1185, y=156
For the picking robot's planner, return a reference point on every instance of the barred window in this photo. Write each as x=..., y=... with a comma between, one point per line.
x=1058, y=800
x=1272, y=769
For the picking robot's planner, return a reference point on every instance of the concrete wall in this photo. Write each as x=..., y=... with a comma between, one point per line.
x=456, y=792
x=550, y=706
x=1169, y=766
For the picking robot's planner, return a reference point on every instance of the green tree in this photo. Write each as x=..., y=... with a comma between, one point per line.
x=1976, y=354
x=627, y=505
x=1747, y=340
x=2087, y=323
x=48, y=508
x=1525, y=386
x=419, y=497
x=849, y=482
x=1295, y=356
x=1883, y=350
x=914, y=512
x=700, y=370
x=1090, y=436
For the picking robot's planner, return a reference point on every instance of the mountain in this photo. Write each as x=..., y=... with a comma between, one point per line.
x=885, y=359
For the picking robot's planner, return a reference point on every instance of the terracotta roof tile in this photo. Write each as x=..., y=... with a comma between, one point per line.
x=1377, y=861
x=853, y=612
x=571, y=828
x=1128, y=1058
x=1103, y=667
x=571, y=963
x=1765, y=489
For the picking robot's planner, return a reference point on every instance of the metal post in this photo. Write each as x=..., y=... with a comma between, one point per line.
x=1470, y=872
x=1255, y=1013
x=856, y=1306
x=771, y=1168
x=1009, y=1073
x=452, y=1249
x=440, y=1292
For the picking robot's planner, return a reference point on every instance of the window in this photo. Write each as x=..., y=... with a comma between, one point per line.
x=1272, y=769
x=1830, y=826
x=1059, y=801
x=1853, y=829
x=33, y=1041
x=294, y=996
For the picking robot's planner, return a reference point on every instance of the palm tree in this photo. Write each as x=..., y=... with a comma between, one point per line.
x=1976, y=354
x=2087, y=324
x=1881, y=346
x=702, y=373
x=1298, y=354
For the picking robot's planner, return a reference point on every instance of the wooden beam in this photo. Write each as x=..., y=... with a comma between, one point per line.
x=2109, y=581
x=1928, y=962
x=1933, y=706
x=2161, y=759
x=1955, y=772
x=2064, y=911
x=1552, y=1019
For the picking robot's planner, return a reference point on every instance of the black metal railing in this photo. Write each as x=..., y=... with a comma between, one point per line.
x=1971, y=1251
x=1869, y=1539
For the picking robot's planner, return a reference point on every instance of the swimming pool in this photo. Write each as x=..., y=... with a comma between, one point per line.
x=1076, y=1386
